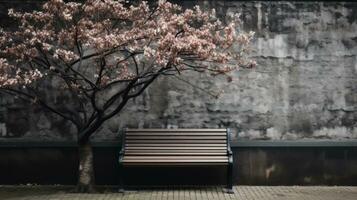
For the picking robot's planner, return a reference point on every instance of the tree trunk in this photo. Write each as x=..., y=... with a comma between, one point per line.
x=86, y=171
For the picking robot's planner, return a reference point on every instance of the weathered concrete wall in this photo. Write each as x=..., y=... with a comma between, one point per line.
x=304, y=87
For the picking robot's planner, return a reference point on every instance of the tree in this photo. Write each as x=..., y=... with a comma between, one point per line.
x=102, y=53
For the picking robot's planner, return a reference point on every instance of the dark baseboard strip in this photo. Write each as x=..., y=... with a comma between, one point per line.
x=301, y=143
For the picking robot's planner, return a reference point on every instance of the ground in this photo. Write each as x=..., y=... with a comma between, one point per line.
x=178, y=193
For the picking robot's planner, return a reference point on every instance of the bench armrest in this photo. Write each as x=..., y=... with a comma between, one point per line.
x=229, y=151
x=122, y=150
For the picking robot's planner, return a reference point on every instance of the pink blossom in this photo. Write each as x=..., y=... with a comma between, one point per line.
x=65, y=55
x=108, y=41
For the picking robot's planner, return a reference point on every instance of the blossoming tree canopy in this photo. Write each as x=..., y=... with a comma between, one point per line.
x=102, y=53
x=102, y=45
x=117, y=42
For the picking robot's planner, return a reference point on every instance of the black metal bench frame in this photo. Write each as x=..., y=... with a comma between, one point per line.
x=229, y=155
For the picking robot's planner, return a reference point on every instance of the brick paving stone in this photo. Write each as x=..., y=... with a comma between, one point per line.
x=184, y=193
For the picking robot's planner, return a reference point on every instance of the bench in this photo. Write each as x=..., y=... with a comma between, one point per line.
x=176, y=147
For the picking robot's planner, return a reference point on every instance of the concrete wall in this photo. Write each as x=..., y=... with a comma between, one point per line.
x=305, y=86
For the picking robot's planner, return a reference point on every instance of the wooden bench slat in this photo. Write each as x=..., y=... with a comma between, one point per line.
x=175, y=145
x=175, y=161
x=187, y=157
x=177, y=150
x=175, y=130
x=176, y=141
x=174, y=137
x=147, y=164
x=176, y=153
x=191, y=148
x=178, y=133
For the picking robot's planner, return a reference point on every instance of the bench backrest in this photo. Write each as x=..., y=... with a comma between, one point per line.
x=143, y=142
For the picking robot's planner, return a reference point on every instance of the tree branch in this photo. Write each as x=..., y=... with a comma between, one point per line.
x=45, y=105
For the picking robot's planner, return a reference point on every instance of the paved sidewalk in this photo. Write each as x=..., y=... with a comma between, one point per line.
x=197, y=193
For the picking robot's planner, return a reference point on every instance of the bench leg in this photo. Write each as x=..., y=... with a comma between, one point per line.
x=230, y=178
x=121, y=179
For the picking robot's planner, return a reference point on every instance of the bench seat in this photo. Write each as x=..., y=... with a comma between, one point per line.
x=177, y=147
